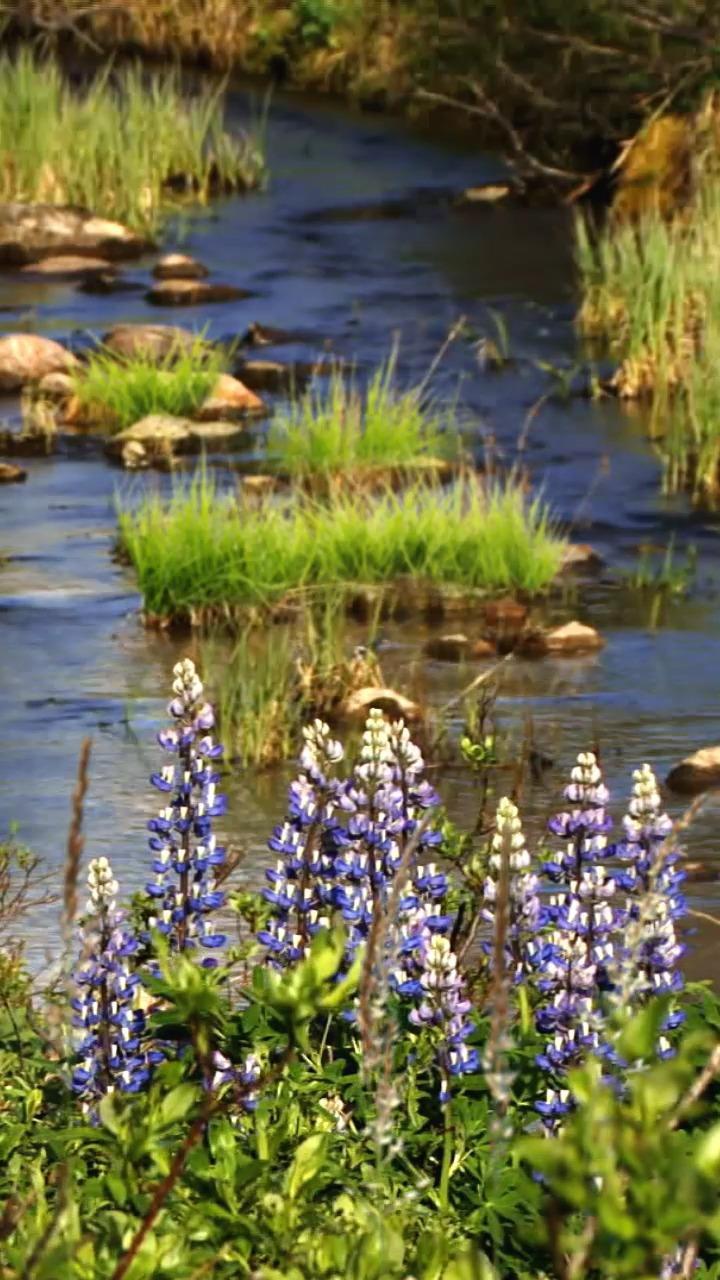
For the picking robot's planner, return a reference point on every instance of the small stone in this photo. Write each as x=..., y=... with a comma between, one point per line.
x=579, y=555
x=571, y=638
x=258, y=486
x=264, y=335
x=452, y=648
x=26, y=357
x=357, y=705
x=696, y=773
x=153, y=341
x=482, y=649
x=30, y=232
x=155, y=431
x=69, y=267
x=10, y=474
x=229, y=398
x=134, y=455
x=486, y=193
x=209, y=435
x=271, y=375
x=56, y=386
x=192, y=293
x=179, y=266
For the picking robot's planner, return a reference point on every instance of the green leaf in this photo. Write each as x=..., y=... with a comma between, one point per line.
x=639, y=1037
x=177, y=1103
x=470, y=1265
x=309, y=1159
x=707, y=1154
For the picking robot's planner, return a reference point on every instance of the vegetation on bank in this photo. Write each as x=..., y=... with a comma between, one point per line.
x=115, y=393
x=651, y=293
x=204, y=553
x=556, y=84
x=339, y=425
x=127, y=144
x=401, y=1057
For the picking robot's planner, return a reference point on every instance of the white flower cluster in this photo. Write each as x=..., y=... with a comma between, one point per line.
x=102, y=885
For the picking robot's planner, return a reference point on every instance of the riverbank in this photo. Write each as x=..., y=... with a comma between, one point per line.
x=557, y=89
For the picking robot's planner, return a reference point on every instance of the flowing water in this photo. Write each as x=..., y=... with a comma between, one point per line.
x=74, y=658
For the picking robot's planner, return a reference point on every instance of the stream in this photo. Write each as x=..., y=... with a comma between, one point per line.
x=321, y=260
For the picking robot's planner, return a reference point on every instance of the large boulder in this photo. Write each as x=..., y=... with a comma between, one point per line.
x=29, y=232
x=28, y=357
x=696, y=773
x=152, y=341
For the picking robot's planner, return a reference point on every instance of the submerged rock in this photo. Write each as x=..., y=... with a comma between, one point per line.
x=229, y=398
x=10, y=474
x=506, y=620
x=264, y=335
x=153, y=341
x=30, y=232
x=179, y=266
x=272, y=375
x=578, y=556
x=28, y=357
x=69, y=267
x=696, y=773
x=457, y=648
x=217, y=435
x=357, y=704
x=191, y=293
x=571, y=638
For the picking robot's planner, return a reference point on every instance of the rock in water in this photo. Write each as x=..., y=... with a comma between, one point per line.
x=573, y=637
x=29, y=232
x=179, y=266
x=357, y=705
x=192, y=293
x=229, y=398
x=69, y=267
x=27, y=357
x=160, y=434
x=153, y=341
x=696, y=773
x=10, y=474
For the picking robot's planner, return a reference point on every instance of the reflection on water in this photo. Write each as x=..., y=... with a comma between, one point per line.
x=73, y=657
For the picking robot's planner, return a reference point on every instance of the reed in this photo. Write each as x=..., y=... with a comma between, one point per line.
x=116, y=393
x=340, y=425
x=126, y=144
x=203, y=550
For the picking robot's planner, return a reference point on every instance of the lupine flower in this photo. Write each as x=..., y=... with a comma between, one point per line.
x=184, y=849
x=111, y=1052
x=444, y=1007
x=648, y=960
x=246, y=1076
x=525, y=914
x=571, y=962
x=299, y=886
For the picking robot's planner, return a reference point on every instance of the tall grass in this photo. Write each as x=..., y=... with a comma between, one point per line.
x=341, y=425
x=651, y=290
x=116, y=393
x=202, y=552
x=115, y=144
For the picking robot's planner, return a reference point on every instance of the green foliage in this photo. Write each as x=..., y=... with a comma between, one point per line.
x=114, y=145
x=117, y=393
x=203, y=551
x=339, y=425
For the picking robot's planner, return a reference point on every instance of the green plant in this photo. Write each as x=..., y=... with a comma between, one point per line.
x=140, y=145
x=340, y=425
x=116, y=393
x=202, y=552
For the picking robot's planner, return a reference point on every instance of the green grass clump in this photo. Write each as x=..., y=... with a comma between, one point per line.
x=116, y=393
x=114, y=144
x=202, y=553
x=651, y=290
x=342, y=426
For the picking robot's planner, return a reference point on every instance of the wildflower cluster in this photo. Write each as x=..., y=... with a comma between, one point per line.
x=524, y=911
x=184, y=849
x=111, y=1053
x=351, y=848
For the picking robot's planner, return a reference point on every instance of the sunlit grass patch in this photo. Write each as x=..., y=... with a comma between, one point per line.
x=340, y=425
x=116, y=393
x=202, y=552
x=127, y=144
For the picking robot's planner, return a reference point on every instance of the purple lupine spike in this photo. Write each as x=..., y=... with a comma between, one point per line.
x=444, y=1007
x=185, y=851
x=571, y=961
x=111, y=1053
x=648, y=960
x=299, y=885
x=525, y=912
